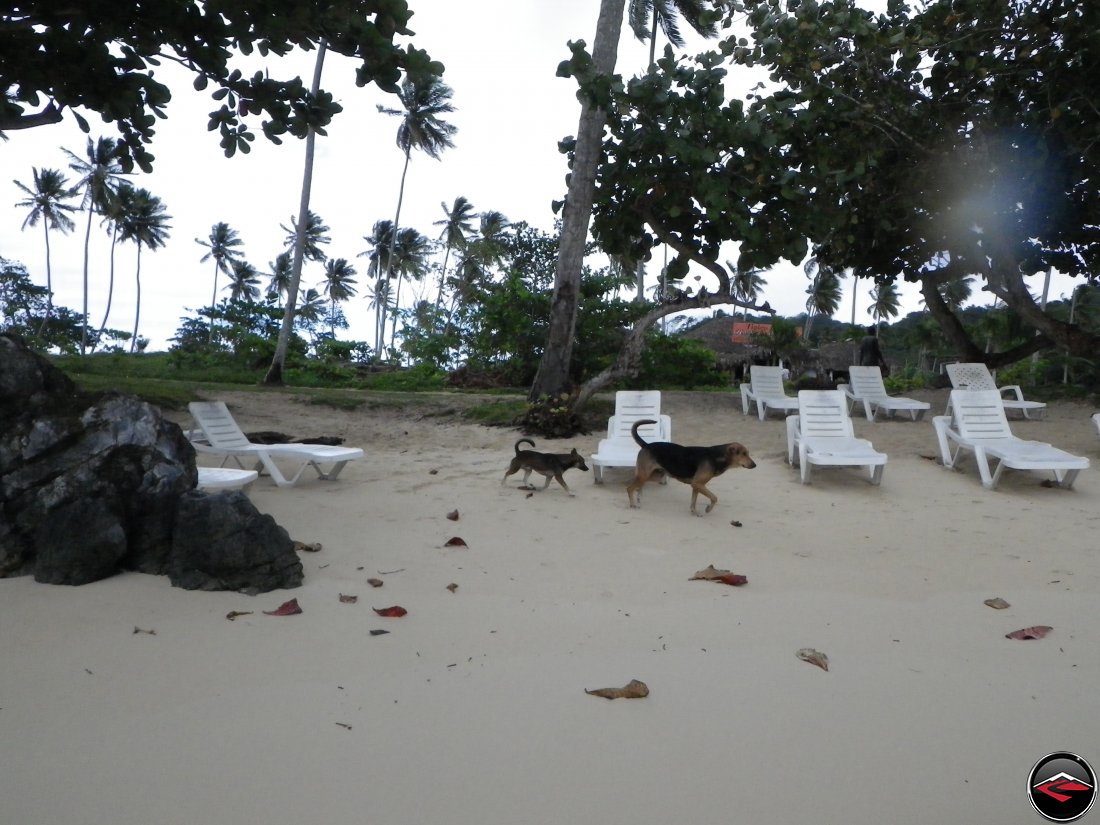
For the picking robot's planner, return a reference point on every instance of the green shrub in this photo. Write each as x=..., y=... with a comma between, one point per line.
x=678, y=363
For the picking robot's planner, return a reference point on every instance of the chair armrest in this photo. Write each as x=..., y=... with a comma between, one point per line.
x=1014, y=389
x=792, y=436
x=945, y=435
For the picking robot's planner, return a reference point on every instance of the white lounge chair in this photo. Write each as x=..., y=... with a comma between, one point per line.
x=215, y=432
x=765, y=389
x=1096, y=421
x=978, y=424
x=867, y=388
x=976, y=377
x=225, y=478
x=619, y=449
x=822, y=433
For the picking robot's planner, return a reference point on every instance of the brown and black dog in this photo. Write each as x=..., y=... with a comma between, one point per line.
x=551, y=465
x=694, y=466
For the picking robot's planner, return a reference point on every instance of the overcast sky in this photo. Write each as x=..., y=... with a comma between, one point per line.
x=511, y=111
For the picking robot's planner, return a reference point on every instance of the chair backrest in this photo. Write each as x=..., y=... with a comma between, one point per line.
x=635, y=405
x=766, y=381
x=970, y=377
x=217, y=424
x=979, y=414
x=824, y=414
x=866, y=382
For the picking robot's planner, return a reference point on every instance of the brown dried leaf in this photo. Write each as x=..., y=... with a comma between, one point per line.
x=452, y=587
x=814, y=657
x=453, y=515
x=346, y=599
x=394, y=612
x=302, y=547
x=433, y=472
x=290, y=608
x=146, y=632
x=1035, y=632
x=632, y=690
x=233, y=614
x=997, y=603
x=374, y=582
x=455, y=541
x=379, y=632
x=712, y=574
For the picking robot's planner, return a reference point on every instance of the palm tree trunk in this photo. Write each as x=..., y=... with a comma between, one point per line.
x=442, y=279
x=137, y=305
x=213, y=302
x=275, y=372
x=110, y=287
x=49, y=281
x=552, y=377
x=87, y=246
x=393, y=247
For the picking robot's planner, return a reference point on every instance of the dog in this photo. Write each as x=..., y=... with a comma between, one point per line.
x=694, y=466
x=551, y=465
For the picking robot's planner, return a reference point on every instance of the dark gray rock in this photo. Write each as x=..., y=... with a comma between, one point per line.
x=90, y=485
x=222, y=542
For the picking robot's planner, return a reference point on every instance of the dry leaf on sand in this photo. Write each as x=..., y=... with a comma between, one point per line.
x=814, y=657
x=997, y=603
x=712, y=574
x=290, y=608
x=394, y=612
x=1034, y=632
x=347, y=599
x=455, y=541
x=452, y=587
x=374, y=582
x=233, y=614
x=453, y=515
x=379, y=632
x=302, y=547
x=632, y=690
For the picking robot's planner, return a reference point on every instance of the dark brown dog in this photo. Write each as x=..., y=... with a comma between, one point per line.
x=694, y=466
x=551, y=465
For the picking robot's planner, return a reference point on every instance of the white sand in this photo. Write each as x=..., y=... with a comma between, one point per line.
x=472, y=709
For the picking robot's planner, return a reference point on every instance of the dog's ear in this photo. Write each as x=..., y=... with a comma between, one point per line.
x=575, y=453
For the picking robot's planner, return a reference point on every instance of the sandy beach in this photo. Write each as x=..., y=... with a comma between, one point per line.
x=130, y=702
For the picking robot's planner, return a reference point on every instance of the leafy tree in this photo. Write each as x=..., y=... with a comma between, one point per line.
x=884, y=301
x=646, y=16
x=410, y=252
x=223, y=247
x=747, y=285
x=101, y=58
x=99, y=176
x=316, y=236
x=824, y=291
x=456, y=227
x=146, y=224
x=46, y=201
x=280, y=275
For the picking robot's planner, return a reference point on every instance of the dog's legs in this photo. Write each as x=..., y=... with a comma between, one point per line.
x=698, y=487
x=526, y=475
x=546, y=482
x=512, y=468
x=561, y=481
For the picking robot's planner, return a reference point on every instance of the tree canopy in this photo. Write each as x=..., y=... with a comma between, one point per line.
x=101, y=57
x=958, y=139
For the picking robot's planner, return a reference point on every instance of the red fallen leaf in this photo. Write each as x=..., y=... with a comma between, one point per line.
x=632, y=690
x=285, y=609
x=453, y=515
x=1035, y=632
x=712, y=574
x=348, y=599
x=395, y=612
x=455, y=541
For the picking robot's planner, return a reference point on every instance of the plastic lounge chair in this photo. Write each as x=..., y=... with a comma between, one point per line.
x=765, y=389
x=821, y=433
x=1096, y=421
x=218, y=434
x=619, y=449
x=977, y=377
x=979, y=425
x=866, y=387
x=225, y=478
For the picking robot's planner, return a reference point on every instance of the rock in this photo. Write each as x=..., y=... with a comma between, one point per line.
x=222, y=542
x=90, y=485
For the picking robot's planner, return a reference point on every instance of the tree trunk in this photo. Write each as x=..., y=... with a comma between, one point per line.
x=110, y=288
x=393, y=248
x=137, y=303
x=87, y=247
x=49, y=282
x=278, y=362
x=552, y=377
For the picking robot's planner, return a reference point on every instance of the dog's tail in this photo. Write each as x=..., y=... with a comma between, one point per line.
x=634, y=431
x=524, y=441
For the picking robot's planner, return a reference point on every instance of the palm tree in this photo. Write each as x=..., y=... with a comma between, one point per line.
x=746, y=284
x=244, y=282
x=146, y=224
x=118, y=206
x=99, y=175
x=410, y=254
x=885, y=301
x=316, y=236
x=379, y=300
x=46, y=200
x=280, y=275
x=647, y=15
x=378, y=257
x=312, y=308
x=456, y=227
x=339, y=285
x=222, y=246
x=423, y=102
x=824, y=292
